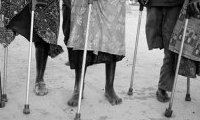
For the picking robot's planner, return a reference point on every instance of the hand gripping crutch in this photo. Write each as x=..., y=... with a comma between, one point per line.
x=78, y=114
x=169, y=110
x=130, y=92
x=2, y=102
x=26, y=106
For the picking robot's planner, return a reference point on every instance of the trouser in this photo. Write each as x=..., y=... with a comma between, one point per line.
x=167, y=72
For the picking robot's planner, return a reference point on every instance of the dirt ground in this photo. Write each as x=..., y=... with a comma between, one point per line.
x=60, y=80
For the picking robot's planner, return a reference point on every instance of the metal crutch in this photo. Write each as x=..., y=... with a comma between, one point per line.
x=26, y=106
x=2, y=103
x=130, y=91
x=4, y=96
x=187, y=97
x=169, y=110
x=4, y=82
x=78, y=114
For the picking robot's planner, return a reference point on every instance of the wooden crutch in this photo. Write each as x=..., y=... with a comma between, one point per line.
x=169, y=110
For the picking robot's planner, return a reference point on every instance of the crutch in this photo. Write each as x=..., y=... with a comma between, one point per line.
x=4, y=96
x=169, y=110
x=2, y=103
x=4, y=82
x=26, y=106
x=78, y=114
x=130, y=91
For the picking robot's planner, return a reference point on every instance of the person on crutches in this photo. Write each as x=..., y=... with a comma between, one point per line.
x=44, y=36
x=161, y=19
x=106, y=41
x=185, y=36
x=6, y=37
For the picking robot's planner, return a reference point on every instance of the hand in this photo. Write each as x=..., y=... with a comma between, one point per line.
x=193, y=8
x=143, y=2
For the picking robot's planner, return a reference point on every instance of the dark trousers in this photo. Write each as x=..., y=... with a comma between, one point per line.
x=167, y=72
x=159, y=27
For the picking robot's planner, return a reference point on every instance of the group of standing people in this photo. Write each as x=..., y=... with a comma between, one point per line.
x=106, y=43
x=107, y=26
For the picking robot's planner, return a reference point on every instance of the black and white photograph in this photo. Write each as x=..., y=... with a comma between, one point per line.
x=99, y=59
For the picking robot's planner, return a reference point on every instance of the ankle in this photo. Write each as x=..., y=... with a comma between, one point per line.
x=39, y=80
x=162, y=90
x=109, y=89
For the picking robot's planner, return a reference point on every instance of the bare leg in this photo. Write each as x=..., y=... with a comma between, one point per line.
x=41, y=55
x=109, y=89
x=73, y=101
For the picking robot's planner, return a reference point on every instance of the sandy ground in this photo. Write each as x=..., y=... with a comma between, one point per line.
x=60, y=80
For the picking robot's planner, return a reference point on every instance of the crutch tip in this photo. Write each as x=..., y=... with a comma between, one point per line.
x=4, y=98
x=187, y=97
x=78, y=116
x=26, y=109
x=168, y=112
x=130, y=91
x=2, y=104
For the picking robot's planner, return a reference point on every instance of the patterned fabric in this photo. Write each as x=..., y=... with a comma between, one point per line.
x=189, y=68
x=9, y=8
x=46, y=22
x=107, y=26
x=189, y=65
x=191, y=47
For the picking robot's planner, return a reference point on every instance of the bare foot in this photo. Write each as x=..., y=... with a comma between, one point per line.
x=40, y=88
x=112, y=97
x=74, y=100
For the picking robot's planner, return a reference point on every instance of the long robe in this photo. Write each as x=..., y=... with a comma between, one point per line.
x=106, y=35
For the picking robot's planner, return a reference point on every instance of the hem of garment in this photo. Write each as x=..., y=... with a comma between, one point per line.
x=152, y=48
x=165, y=5
x=96, y=52
x=92, y=59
